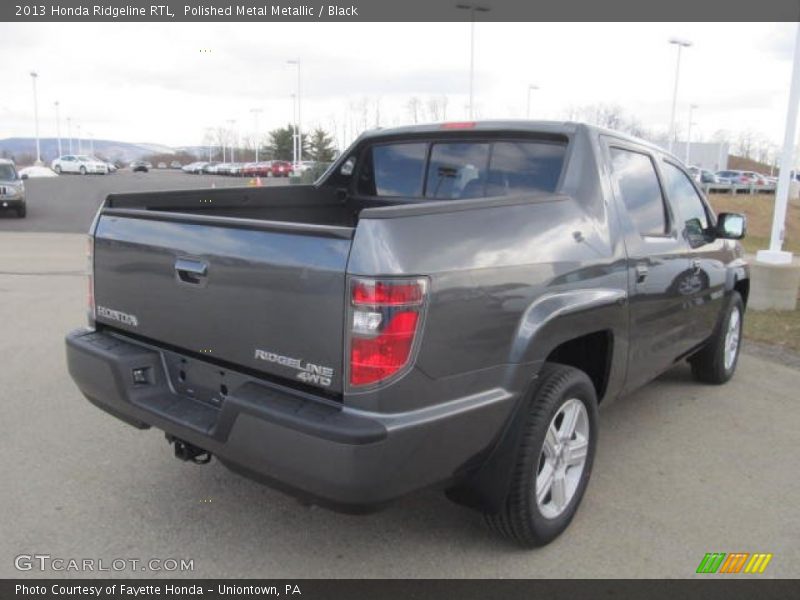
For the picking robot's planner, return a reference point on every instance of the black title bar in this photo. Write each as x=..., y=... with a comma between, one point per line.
x=397, y=10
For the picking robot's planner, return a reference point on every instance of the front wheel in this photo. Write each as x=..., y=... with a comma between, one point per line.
x=58, y=169
x=716, y=362
x=554, y=458
x=83, y=170
x=21, y=211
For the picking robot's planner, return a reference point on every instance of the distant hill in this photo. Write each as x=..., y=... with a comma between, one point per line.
x=23, y=150
x=740, y=163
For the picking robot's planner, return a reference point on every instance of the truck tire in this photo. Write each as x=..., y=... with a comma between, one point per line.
x=716, y=362
x=22, y=211
x=554, y=459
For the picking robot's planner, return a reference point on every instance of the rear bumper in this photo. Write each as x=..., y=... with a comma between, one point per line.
x=306, y=445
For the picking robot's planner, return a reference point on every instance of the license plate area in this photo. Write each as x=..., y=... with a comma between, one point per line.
x=200, y=381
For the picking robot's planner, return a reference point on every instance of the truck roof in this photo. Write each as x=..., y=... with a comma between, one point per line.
x=519, y=125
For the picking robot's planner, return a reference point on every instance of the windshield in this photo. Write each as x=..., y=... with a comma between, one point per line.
x=7, y=172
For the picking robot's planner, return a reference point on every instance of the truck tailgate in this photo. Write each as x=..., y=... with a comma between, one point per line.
x=261, y=295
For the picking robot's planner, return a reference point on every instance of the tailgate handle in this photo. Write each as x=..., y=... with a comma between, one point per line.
x=191, y=271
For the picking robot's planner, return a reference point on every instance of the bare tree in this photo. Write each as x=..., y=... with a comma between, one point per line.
x=437, y=108
x=414, y=107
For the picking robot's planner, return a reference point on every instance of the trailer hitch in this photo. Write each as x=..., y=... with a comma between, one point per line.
x=189, y=452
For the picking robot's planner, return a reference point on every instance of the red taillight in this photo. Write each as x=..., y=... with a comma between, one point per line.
x=370, y=292
x=459, y=125
x=386, y=315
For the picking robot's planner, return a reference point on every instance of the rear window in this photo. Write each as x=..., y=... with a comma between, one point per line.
x=468, y=169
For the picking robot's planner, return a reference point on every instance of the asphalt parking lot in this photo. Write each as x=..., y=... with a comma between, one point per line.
x=67, y=203
x=682, y=469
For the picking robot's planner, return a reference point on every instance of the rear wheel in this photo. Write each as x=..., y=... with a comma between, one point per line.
x=83, y=170
x=58, y=169
x=554, y=459
x=716, y=363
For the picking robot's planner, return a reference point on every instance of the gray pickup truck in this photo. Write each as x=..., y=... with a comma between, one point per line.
x=447, y=306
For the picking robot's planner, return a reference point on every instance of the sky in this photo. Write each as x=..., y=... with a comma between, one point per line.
x=169, y=83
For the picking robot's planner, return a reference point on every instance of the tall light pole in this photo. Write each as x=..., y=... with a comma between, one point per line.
x=294, y=125
x=775, y=254
x=299, y=122
x=69, y=133
x=681, y=44
x=80, y=146
x=689, y=132
x=232, y=123
x=472, y=8
x=256, y=112
x=34, y=76
x=531, y=88
x=91, y=142
x=58, y=128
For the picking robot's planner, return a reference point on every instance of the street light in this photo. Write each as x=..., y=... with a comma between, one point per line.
x=69, y=133
x=91, y=142
x=689, y=131
x=531, y=88
x=294, y=126
x=232, y=123
x=34, y=75
x=472, y=8
x=58, y=128
x=80, y=146
x=680, y=43
x=256, y=112
x=299, y=121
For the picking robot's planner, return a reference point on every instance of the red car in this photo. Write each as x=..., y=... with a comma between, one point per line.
x=256, y=169
x=281, y=168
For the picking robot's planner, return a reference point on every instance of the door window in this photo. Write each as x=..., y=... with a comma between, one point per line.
x=638, y=185
x=685, y=198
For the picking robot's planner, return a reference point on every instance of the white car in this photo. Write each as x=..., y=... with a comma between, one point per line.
x=78, y=163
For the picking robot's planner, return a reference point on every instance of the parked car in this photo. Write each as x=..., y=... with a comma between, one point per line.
x=703, y=175
x=280, y=168
x=757, y=178
x=12, y=188
x=175, y=164
x=161, y=165
x=235, y=169
x=212, y=168
x=78, y=163
x=110, y=166
x=195, y=167
x=140, y=166
x=446, y=308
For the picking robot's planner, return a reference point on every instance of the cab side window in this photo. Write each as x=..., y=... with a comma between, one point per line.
x=685, y=198
x=636, y=178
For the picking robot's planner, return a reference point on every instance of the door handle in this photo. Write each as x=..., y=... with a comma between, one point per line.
x=696, y=265
x=641, y=273
x=191, y=271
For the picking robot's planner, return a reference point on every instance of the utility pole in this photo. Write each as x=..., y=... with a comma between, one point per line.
x=256, y=112
x=680, y=43
x=34, y=76
x=58, y=128
x=472, y=8
x=299, y=122
x=531, y=88
x=689, y=132
x=69, y=133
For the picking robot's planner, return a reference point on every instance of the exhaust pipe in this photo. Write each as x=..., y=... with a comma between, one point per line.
x=189, y=452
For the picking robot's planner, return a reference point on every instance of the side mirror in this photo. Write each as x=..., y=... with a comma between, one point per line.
x=731, y=226
x=24, y=176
